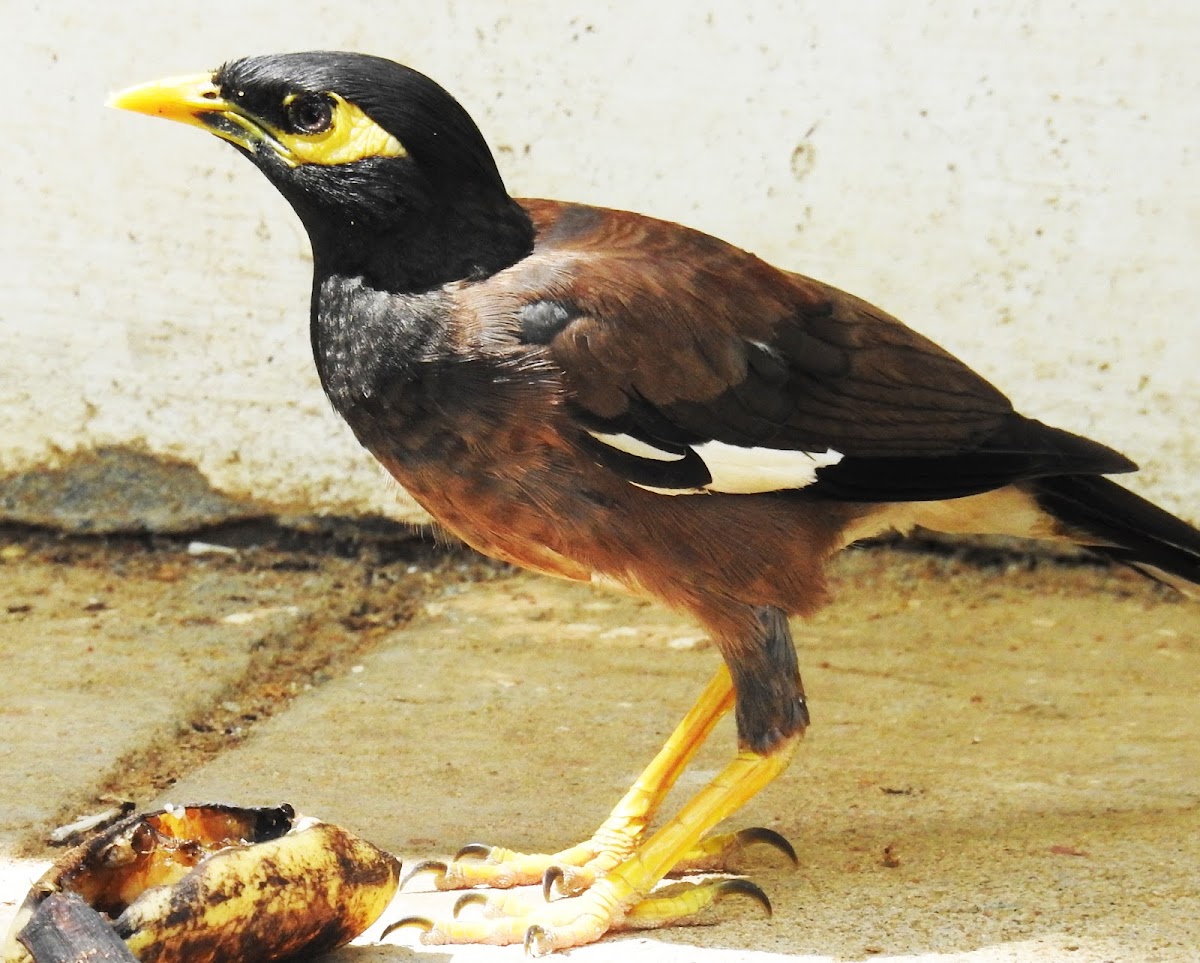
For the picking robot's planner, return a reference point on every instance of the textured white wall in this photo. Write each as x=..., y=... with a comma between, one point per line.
x=1019, y=181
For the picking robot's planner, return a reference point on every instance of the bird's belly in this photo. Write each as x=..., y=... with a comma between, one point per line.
x=497, y=522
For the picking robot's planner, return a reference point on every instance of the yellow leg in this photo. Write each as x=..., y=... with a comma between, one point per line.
x=579, y=866
x=605, y=906
x=651, y=787
x=733, y=787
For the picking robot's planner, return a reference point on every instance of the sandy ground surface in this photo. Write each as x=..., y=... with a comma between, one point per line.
x=1004, y=763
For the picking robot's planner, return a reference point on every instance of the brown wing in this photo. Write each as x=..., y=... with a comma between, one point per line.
x=669, y=340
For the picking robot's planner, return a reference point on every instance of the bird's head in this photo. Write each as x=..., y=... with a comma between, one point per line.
x=388, y=172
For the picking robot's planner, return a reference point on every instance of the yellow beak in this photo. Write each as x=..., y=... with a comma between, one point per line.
x=185, y=99
x=196, y=100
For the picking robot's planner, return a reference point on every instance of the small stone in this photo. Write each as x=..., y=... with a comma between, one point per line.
x=208, y=548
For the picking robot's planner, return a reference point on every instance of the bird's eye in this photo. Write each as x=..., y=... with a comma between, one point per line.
x=310, y=114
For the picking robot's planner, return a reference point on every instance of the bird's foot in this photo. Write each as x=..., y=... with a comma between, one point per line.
x=571, y=870
x=625, y=896
x=613, y=904
x=574, y=870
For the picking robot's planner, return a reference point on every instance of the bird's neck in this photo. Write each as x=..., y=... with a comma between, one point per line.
x=468, y=240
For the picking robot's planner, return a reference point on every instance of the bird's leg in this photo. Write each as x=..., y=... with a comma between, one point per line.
x=771, y=717
x=576, y=868
x=618, y=836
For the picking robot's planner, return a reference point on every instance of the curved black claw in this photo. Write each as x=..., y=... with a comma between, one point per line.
x=768, y=837
x=417, y=922
x=480, y=850
x=553, y=874
x=742, y=887
x=468, y=899
x=535, y=941
x=424, y=866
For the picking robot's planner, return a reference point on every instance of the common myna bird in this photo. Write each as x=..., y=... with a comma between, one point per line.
x=610, y=398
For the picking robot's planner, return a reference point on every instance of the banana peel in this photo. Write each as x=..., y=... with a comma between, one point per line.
x=220, y=884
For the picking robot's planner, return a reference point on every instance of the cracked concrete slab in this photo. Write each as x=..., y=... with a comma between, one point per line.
x=1004, y=763
x=987, y=767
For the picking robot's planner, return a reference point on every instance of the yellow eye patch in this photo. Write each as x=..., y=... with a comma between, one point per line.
x=351, y=136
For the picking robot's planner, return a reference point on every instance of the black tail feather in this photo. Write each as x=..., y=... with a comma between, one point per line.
x=1115, y=522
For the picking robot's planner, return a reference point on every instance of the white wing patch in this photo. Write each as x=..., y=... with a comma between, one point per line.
x=735, y=470
x=635, y=446
x=744, y=471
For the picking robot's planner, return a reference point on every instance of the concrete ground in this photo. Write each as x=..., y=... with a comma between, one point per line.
x=1004, y=763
